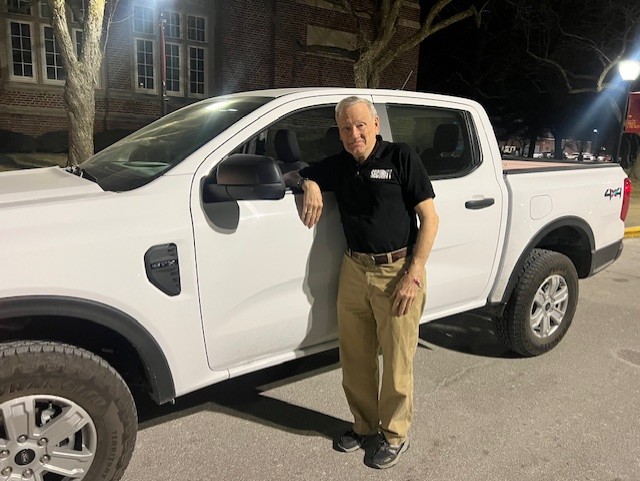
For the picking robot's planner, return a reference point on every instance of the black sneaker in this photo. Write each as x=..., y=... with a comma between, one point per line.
x=387, y=455
x=350, y=441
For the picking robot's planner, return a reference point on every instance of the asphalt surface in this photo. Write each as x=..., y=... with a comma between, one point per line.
x=480, y=413
x=633, y=215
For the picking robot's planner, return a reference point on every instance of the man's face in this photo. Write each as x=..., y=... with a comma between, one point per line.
x=358, y=130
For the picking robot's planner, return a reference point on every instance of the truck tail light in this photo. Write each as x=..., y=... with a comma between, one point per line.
x=626, y=197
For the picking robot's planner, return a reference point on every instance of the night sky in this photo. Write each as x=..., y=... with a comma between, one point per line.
x=526, y=96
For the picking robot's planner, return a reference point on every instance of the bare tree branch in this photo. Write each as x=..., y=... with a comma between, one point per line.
x=112, y=7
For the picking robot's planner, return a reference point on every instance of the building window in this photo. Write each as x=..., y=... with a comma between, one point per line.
x=77, y=16
x=196, y=30
x=172, y=54
x=196, y=70
x=144, y=63
x=19, y=6
x=79, y=42
x=185, y=53
x=21, y=51
x=172, y=28
x=45, y=10
x=143, y=19
x=53, y=66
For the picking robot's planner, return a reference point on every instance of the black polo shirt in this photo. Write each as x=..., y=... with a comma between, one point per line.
x=376, y=198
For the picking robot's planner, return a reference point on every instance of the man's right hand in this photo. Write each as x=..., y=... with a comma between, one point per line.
x=311, y=203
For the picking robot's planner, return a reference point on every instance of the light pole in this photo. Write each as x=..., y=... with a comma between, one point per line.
x=594, y=144
x=629, y=71
x=163, y=64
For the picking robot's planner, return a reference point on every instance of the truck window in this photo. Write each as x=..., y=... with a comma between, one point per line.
x=440, y=136
x=313, y=130
x=310, y=127
x=156, y=148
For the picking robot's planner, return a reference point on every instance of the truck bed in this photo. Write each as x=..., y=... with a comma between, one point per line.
x=523, y=165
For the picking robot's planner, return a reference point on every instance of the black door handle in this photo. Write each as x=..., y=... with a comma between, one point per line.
x=479, y=204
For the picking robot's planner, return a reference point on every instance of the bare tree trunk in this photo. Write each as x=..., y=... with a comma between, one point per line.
x=557, y=148
x=79, y=100
x=366, y=74
x=82, y=69
x=532, y=145
x=361, y=73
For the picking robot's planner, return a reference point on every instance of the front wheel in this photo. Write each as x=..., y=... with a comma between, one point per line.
x=65, y=414
x=542, y=305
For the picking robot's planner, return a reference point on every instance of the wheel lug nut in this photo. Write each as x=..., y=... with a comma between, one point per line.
x=45, y=459
x=6, y=471
x=27, y=473
x=4, y=453
x=43, y=441
x=22, y=438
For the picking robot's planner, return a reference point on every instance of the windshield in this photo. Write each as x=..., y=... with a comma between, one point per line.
x=151, y=151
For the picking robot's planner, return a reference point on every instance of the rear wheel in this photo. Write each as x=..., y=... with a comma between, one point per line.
x=542, y=304
x=65, y=414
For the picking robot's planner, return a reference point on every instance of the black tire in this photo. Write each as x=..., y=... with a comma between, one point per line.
x=553, y=277
x=50, y=381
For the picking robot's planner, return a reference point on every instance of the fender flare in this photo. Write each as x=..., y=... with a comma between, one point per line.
x=153, y=359
x=569, y=221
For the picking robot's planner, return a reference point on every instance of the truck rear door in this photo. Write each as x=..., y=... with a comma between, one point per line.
x=469, y=197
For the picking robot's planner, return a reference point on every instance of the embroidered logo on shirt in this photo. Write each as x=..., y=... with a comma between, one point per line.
x=382, y=174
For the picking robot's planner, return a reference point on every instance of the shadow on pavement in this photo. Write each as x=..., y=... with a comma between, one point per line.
x=244, y=397
x=471, y=333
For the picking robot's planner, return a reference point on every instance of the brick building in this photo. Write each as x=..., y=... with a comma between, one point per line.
x=211, y=47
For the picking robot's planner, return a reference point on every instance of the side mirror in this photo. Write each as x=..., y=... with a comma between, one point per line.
x=244, y=177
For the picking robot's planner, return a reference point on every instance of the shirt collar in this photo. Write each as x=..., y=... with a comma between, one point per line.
x=376, y=152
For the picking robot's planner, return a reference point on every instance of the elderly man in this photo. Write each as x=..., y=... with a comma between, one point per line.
x=380, y=187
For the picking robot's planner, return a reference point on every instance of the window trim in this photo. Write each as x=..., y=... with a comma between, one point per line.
x=133, y=20
x=29, y=14
x=206, y=29
x=205, y=87
x=41, y=5
x=180, y=25
x=34, y=55
x=43, y=56
x=181, y=70
x=137, y=88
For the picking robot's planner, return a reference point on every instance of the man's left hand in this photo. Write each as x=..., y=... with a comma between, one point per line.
x=406, y=292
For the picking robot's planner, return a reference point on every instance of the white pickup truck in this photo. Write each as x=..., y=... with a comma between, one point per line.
x=175, y=259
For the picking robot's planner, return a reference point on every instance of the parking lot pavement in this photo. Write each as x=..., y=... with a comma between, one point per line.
x=480, y=412
x=633, y=216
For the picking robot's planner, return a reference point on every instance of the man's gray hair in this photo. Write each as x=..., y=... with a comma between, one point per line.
x=349, y=101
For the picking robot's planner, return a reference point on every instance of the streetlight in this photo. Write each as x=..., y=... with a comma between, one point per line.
x=594, y=145
x=629, y=71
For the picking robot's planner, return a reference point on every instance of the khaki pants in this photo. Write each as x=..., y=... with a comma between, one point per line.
x=367, y=326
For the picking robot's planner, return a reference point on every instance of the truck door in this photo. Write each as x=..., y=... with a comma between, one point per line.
x=267, y=283
x=468, y=200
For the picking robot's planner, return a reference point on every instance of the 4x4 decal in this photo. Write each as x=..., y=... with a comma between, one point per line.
x=611, y=193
